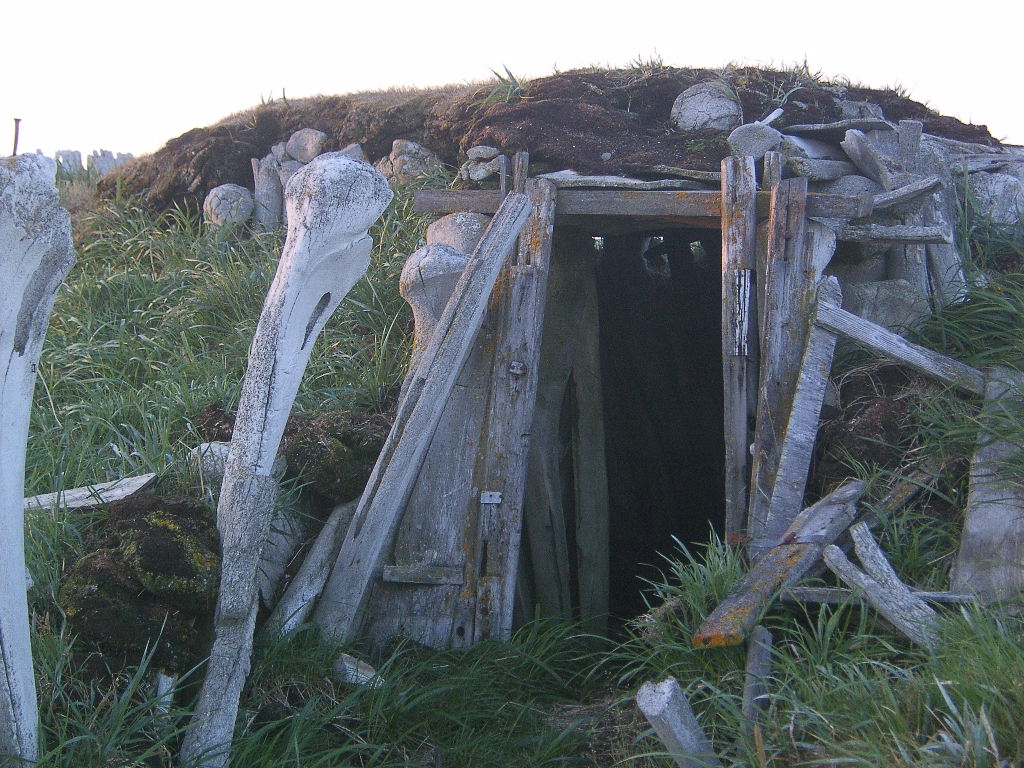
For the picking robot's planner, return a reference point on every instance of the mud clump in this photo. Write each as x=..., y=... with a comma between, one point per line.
x=150, y=582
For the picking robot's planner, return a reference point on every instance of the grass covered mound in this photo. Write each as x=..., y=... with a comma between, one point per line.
x=153, y=326
x=567, y=120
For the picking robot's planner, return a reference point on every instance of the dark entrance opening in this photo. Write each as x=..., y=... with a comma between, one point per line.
x=659, y=299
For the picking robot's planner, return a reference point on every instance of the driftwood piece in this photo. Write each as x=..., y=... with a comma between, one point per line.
x=780, y=568
x=792, y=273
x=817, y=169
x=894, y=347
x=739, y=331
x=909, y=197
x=36, y=255
x=590, y=473
x=667, y=710
x=573, y=180
x=759, y=669
x=701, y=207
x=91, y=495
x=387, y=491
x=883, y=590
x=297, y=601
x=838, y=129
x=797, y=441
x=331, y=203
x=945, y=267
x=509, y=415
x=894, y=235
x=838, y=596
x=909, y=261
x=869, y=160
x=708, y=177
x=990, y=562
x=772, y=167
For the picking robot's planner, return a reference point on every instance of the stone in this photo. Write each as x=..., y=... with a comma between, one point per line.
x=268, y=197
x=476, y=170
x=305, y=144
x=798, y=146
x=355, y=151
x=893, y=304
x=101, y=162
x=481, y=152
x=280, y=153
x=849, y=185
x=69, y=161
x=705, y=105
x=853, y=110
x=287, y=169
x=407, y=162
x=462, y=231
x=997, y=196
x=754, y=139
x=427, y=282
x=227, y=204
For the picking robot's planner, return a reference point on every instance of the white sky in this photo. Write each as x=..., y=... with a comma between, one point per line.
x=128, y=76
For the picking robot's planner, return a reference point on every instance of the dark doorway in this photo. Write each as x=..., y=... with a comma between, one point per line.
x=659, y=298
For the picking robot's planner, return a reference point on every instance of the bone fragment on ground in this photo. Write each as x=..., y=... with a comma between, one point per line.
x=35, y=256
x=305, y=144
x=268, y=195
x=428, y=279
x=331, y=202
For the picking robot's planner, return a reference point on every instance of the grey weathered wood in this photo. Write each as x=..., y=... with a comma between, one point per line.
x=788, y=298
x=545, y=516
x=504, y=176
x=708, y=177
x=773, y=164
x=437, y=575
x=797, y=442
x=893, y=347
x=893, y=235
x=759, y=669
x=36, y=255
x=883, y=590
x=590, y=474
x=703, y=207
x=390, y=483
x=667, y=710
x=945, y=267
x=838, y=129
x=520, y=171
x=908, y=136
x=990, y=562
x=780, y=568
x=838, y=596
x=869, y=160
x=819, y=170
x=302, y=591
x=909, y=197
x=989, y=163
x=509, y=416
x=573, y=180
x=331, y=202
x=739, y=331
x=91, y=495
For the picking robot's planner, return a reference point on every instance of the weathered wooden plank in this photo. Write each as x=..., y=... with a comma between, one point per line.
x=797, y=443
x=788, y=297
x=509, y=416
x=892, y=599
x=868, y=159
x=437, y=575
x=817, y=169
x=520, y=171
x=573, y=180
x=894, y=235
x=990, y=562
x=755, y=679
x=297, y=601
x=838, y=129
x=894, y=347
x=390, y=483
x=590, y=474
x=739, y=331
x=91, y=495
x=708, y=177
x=909, y=197
x=667, y=710
x=780, y=568
x=838, y=596
x=637, y=203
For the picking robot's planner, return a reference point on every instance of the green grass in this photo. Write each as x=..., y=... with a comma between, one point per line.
x=155, y=322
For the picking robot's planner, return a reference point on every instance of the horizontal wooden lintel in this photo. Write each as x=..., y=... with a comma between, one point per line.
x=705, y=206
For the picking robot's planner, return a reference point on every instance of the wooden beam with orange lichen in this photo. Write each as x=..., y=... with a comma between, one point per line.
x=780, y=568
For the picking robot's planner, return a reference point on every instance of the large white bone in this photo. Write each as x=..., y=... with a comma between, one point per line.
x=35, y=256
x=331, y=203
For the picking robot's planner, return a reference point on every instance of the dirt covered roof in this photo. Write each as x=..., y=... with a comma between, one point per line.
x=610, y=121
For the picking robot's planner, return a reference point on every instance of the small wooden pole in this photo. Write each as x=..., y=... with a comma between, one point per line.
x=772, y=169
x=17, y=130
x=759, y=667
x=666, y=708
x=739, y=331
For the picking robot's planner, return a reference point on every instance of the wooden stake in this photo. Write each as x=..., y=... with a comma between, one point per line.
x=759, y=669
x=666, y=708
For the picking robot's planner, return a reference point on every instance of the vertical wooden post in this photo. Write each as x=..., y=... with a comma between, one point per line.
x=508, y=419
x=772, y=170
x=788, y=296
x=17, y=130
x=739, y=331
